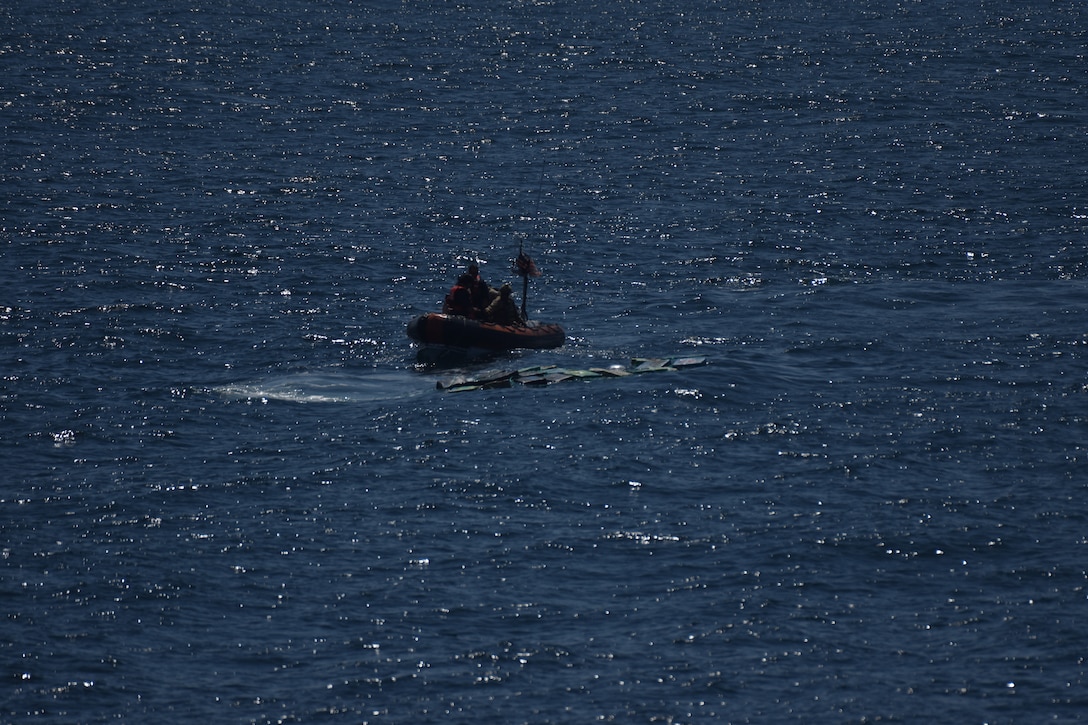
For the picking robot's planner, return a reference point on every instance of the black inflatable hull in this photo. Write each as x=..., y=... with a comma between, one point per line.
x=455, y=331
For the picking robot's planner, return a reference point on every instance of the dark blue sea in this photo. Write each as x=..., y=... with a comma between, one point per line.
x=234, y=493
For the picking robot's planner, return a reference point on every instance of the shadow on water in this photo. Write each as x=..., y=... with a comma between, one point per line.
x=435, y=358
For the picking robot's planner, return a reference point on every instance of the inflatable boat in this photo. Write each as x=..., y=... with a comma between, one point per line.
x=456, y=331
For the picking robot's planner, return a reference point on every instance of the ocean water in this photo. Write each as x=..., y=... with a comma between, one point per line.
x=234, y=494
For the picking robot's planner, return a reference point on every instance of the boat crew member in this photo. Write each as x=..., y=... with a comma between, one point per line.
x=503, y=310
x=459, y=299
x=482, y=294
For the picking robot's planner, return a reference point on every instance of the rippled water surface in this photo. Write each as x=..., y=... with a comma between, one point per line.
x=235, y=495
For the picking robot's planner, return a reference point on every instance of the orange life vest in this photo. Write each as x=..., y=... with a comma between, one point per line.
x=458, y=302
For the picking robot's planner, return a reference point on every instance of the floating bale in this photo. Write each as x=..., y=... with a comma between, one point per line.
x=551, y=374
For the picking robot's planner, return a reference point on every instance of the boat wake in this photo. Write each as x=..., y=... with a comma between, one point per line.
x=328, y=387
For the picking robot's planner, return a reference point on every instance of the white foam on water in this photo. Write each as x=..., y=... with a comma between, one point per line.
x=330, y=387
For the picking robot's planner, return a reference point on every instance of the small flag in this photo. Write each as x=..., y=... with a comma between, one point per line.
x=525, y=267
